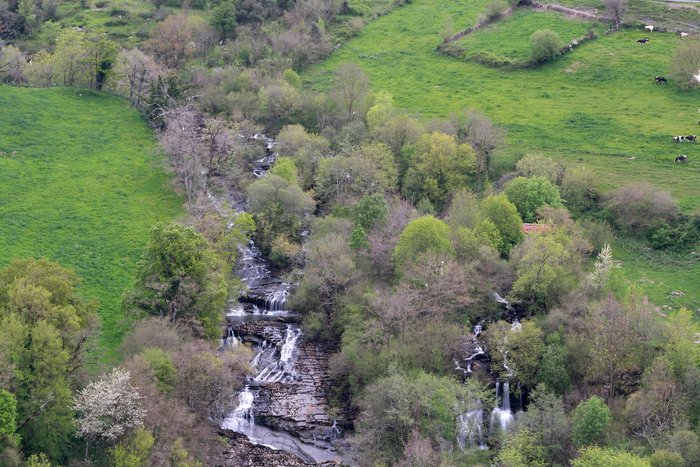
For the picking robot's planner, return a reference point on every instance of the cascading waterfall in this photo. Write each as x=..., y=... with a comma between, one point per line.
x=274, y=360
x=502, y=417
x=471, y=430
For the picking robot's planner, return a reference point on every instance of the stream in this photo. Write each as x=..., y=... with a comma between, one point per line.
x=283, y=406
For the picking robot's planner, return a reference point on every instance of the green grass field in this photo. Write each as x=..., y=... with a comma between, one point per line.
x=518, y=28
x=598, y=105
x=81, y=183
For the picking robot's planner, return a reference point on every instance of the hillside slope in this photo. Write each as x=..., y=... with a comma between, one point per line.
x=81, y=182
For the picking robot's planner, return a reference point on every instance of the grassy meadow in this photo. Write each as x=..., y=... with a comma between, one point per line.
x=598, y=105
x=518, y=28
x=81, y=183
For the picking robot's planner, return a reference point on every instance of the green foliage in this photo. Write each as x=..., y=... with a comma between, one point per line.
x=543, y=270
x=504, y=215
x=291, y=77
x=370, y=211
x=358, y=239
x=223, y=18
x=180, y=277
x=437, y=165
x=422, y=235
x=8, y=419
x=495, y=9
x=590, y=420
x=279, y=208
x=38, y=460
x=78, y=144
x=396, y=405
x=580, y=189
x=546, y=45
x=44, y=327
x=523, y=345
x=593, y=456
x=286, y=168
x=553, y=372
x=664, y=458
x=134, y=452
x=547, y=420
x=163, y=368
x=531, y=193
x=521, y=449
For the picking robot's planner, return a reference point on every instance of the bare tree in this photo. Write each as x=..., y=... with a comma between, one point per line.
x=351, y=86
x=181, y=141
x=484, y=137
x=616, y=9
x=218, y=148
x=134, y=73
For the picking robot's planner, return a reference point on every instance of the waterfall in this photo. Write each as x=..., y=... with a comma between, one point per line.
x=241, y=419
x=502, y=417
x=470, y=434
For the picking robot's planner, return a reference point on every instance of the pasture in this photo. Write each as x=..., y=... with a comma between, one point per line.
x=598, y=105
x=81, y=183
x=510, y=37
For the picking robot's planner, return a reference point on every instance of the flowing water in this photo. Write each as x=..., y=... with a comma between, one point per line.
x=275, y=340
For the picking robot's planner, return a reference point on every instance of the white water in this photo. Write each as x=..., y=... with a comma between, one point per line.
x=502, y=417
x=471, y=426
x=241, y=419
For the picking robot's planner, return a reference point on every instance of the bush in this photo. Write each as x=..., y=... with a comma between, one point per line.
x=590, y=420
x=495, y=9
x=685, y=64
x=425, y=234
x=529, y=194
x=640, y=208
x=546, y=45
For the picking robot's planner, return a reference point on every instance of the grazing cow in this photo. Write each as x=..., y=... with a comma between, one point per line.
x=643, y=41
x=660, y=79
x=682, y=34
x=649, y=28
x=691, y=137
x=678, y=139
x=681, y=158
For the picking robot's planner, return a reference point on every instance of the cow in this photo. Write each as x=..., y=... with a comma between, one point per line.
x=660, y=79
x=682, y=34
x=649, y=28
x=691, y=137
x=681, y=158
x=678, y=139
x=643, y=41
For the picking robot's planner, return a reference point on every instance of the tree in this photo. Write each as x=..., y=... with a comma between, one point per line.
x=664, y=458
x=422, y=235
x=499, y=210
x=543, y=269
x=69, y=58
x=539, y=165
x=224, y=18
x=100, y=57
x=522, y=449
x=590, y=420
x=580, y=189
x=547, y=419
x=358, y=239
x=8, y=420
x=366, y=170
x=108, y=408
x=307, y=149
x=370, y=211
x=286, y=168
x=516, y=350
x=529, y=194
x=45, y=327
x=616, y=9
x=394, y=406
x=13, y=64
x=134, y=452
x=479, y=131
x=605, y=269
x=685, y=64
x=639, y=208
x=279, y=208
x=180, y=139
x=172, y=40
x=350, y=86
x=553, y=371
x=437, y=165
x=546, y=45
x=179, y=277
x=133, y=74
x=593, y=456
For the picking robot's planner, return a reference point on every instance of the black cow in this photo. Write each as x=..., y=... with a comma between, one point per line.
x=643, y=41
x=681, y=158
x=691, y=137
x=678, y=139
x=660, y=79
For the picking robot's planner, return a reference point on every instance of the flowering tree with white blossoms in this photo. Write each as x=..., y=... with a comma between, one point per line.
x=108, y=408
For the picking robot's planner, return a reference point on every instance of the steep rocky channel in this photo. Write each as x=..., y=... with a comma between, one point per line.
x=282, y=415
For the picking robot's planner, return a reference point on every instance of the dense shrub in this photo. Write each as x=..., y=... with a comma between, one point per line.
x=546, y=45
